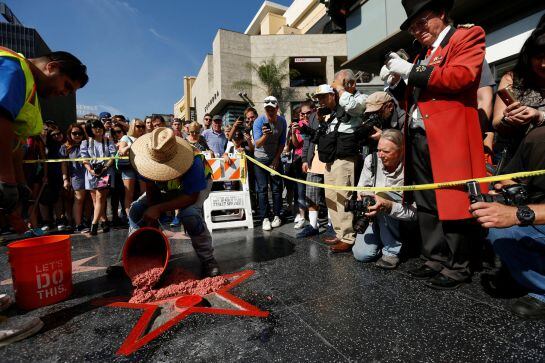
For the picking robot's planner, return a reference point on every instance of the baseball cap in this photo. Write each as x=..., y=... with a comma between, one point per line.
x=375, y=101
x=270, y=101
x=217, y=118
x=323, y=89
x=104, y=115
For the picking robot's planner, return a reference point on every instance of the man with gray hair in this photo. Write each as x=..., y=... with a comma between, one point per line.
x=383, y=169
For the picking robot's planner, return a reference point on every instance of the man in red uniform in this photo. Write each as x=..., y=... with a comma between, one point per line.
x=443, y=134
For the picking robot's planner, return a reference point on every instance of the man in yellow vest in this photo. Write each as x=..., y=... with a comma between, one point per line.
x=21, y=82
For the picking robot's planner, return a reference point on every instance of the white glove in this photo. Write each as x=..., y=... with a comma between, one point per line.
x=388, y=77
x=398, y=65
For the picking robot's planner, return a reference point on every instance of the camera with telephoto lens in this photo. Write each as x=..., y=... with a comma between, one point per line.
x=515, y=194
x=323, y=111
x=359, y=208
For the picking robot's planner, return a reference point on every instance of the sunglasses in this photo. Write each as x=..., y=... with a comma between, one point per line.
x=207, y=119
x=306, y=113
x=140, y=126
x=118, y=131
x=77, y=133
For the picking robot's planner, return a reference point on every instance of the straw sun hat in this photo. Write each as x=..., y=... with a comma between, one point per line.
x=160, y=155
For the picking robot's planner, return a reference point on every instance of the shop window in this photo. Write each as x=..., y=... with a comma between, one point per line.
x=307, y=71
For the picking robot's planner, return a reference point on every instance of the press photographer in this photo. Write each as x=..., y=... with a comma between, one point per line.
x=517, y=232
x=337, y=141
x=382, y=112
x=383, y=169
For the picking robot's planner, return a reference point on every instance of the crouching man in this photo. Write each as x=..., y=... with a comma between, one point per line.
x=518, y=233
x=383, y=169
x=176, y=179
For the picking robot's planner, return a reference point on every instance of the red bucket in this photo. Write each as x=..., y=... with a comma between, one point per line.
x=41, y=269
x=145, y=249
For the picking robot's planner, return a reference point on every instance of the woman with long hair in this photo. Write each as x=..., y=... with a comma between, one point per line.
x=99, y=176
x=137, y=128
x=196, y=140
x=527, y=104
x=73, y=173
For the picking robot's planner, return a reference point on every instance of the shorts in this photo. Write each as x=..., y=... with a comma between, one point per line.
x=128, y=174
x=315, y=195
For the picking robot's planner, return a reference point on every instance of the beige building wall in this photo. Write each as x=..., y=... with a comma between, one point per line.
x=272, y=23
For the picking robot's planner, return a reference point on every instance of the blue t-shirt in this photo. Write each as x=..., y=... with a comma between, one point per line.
x=216, y=141
x=192, y=181
x=278, y=138
x=12, y=87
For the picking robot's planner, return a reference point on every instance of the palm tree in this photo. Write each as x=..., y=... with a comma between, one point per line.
x=272, y=76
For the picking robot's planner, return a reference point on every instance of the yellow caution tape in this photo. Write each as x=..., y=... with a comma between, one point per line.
x=405, y=188
x=76, y=159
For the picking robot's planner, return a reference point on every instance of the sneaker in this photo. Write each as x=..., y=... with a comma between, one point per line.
x=329, y=229
x=210, y=268
x=297, y=218
x=176, y=222
x=266, y=224
x=277, y=222
x=308, y=231
x=299, y=224
x=17, y=328
x=387, y=262
x=45, y=228
x=36, y=232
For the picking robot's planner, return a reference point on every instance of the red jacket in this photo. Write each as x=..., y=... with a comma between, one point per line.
x=448, y=103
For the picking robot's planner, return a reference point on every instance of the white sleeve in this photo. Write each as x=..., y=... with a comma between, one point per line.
x=354, y=106
x=403, y=212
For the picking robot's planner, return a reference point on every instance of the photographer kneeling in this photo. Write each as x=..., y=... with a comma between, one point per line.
x=382, y=169
x=517, y=233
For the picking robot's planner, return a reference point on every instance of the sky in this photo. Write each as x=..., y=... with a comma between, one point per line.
x=136, y=51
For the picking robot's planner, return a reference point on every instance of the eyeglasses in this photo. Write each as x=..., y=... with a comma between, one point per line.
x=76, y=133
x=419, y=24
x=118, y=131
x=207, y=119
x=140, y=126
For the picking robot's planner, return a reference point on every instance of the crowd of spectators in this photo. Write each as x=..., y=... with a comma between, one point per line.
x=345, y=138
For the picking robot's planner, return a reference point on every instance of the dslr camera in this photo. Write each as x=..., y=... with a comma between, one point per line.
x=367, y=128
x=98, y=166
x=359, y=208
x=514, y=195
x=314, y=134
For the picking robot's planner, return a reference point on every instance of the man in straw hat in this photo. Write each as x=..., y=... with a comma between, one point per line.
x=176, y=179
x=443, y=135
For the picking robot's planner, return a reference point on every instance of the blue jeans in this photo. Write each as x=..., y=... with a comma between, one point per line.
x=263, y=178
x=383, y=232
x=192, y=220
x=522, y=250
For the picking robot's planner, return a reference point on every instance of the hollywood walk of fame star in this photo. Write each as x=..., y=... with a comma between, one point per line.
x=77, y=267
x=178, y=308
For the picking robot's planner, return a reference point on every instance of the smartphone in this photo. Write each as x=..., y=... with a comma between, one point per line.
x=267, y=125
x=507, y=95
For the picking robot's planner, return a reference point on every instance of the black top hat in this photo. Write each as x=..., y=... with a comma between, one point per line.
x=413, y=7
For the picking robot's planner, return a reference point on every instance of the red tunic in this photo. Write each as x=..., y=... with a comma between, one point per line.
x=448, y=104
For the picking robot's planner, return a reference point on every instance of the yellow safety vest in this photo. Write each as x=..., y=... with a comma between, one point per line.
x=29, y=120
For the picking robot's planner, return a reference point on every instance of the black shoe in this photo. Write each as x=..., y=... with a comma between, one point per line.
x=94, y=229
x=81, y=228
x=423, y=272
x=501, y=285
x=528, y=307
x=442, y=282
x=211, y=269
x=105, y=226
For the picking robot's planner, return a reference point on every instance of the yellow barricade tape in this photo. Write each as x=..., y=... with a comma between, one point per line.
x=443, y=185
x=76, y=159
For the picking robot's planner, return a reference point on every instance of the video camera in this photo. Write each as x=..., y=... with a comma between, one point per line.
x=515, y=194
x=359, y=208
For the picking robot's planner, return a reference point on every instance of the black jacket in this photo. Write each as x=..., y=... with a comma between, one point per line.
x=308, y=146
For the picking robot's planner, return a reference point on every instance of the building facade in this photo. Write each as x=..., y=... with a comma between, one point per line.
x=27, y=41
x=372, y=30
x=184, y=109
x=294, y=36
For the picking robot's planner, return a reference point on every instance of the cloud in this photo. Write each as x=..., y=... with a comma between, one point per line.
x=162, y=38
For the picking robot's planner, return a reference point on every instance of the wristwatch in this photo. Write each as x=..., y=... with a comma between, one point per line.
x=525, y=215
